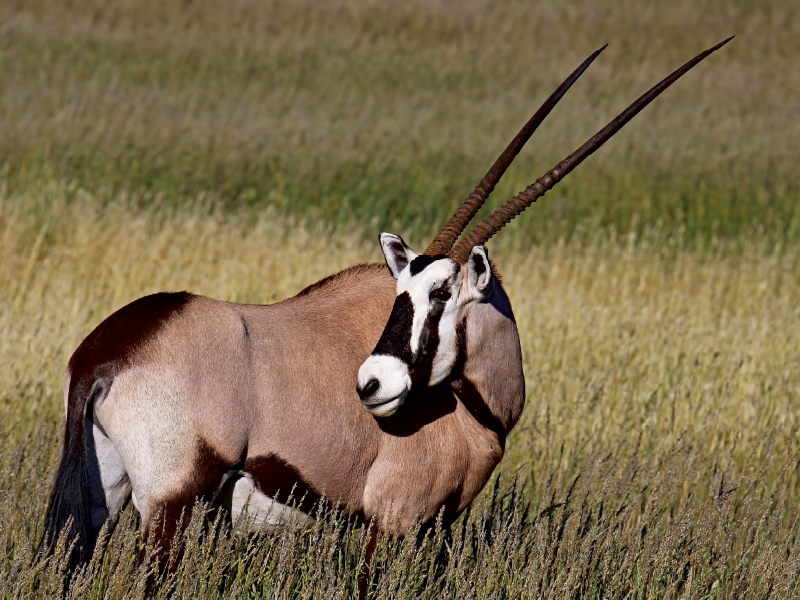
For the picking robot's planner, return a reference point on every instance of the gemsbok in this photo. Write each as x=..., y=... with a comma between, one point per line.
x=387, y=389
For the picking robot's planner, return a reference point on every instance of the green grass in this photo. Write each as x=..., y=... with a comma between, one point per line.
x=387, y=115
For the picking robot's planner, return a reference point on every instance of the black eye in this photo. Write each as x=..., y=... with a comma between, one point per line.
x=441, y=294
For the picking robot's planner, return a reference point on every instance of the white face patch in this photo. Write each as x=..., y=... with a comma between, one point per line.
x=420, y=341
x=442, y=273
x=447, y=352
x=394, y=379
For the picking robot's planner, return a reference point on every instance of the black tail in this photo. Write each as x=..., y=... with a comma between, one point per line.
x=69, y=509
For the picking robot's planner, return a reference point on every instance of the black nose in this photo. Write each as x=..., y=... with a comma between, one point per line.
x=369, y=389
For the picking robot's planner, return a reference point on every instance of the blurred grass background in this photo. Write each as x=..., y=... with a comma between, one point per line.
x=245, y=150
x=387, y=114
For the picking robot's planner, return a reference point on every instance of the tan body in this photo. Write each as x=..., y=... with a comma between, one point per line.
x=225, y=386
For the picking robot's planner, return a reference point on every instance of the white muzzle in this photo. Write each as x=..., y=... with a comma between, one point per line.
x=383, y=384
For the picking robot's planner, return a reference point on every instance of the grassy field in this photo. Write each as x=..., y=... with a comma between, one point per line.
x=664, y=380
x=246, y=152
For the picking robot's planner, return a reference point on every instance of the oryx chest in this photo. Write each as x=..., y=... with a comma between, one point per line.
x=414, y=476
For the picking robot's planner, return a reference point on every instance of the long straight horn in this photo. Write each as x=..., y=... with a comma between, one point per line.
x=445, y=239
x=503, y=215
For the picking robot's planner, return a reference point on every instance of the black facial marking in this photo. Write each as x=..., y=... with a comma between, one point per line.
x=423, y=260
x=396, y=337
x=428, y=344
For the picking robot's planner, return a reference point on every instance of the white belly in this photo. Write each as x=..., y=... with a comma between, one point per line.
x=253, y=510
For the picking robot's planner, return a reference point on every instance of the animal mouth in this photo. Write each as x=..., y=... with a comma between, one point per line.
x=385, y=408
x=383, y=384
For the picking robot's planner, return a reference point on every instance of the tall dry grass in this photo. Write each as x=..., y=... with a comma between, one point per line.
x=656, y=456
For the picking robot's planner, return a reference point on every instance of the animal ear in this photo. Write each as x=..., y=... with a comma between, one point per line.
x=396, y=252
x=480, y=271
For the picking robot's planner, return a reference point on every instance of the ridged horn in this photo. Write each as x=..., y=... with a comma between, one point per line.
x=445, y=239
x=503, y=215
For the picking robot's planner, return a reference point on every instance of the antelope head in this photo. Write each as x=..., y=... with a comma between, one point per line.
x=420, y=341
x=435, y=290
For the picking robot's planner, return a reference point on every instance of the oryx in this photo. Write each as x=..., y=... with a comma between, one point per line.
x=389, y=389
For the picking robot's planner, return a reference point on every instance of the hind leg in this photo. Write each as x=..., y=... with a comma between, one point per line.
x=165, y=453
x=166, y=513
x=165, y=498
x=108, y=480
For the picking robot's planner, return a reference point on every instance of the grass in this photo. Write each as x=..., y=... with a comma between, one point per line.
x=245, y=150
x=657, y=455
x=387, y=114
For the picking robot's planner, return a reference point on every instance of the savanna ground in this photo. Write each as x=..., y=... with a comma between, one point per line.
x=244, y=150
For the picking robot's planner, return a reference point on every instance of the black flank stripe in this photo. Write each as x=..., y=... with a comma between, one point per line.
x=282, y=482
